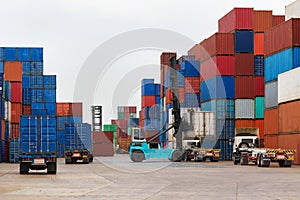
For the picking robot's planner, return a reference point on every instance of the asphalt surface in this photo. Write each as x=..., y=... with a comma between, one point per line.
x=119, y=178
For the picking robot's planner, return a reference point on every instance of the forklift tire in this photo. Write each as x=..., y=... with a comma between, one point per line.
x=259, y=161
x=176, y=156
x=137, y=156
x=235, y=162
x=51, y=168
x=23, y=168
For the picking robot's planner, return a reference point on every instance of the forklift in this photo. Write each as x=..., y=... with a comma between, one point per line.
x=140, y=149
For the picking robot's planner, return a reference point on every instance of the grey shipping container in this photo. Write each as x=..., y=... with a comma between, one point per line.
x=244, y=109
x=271, y=94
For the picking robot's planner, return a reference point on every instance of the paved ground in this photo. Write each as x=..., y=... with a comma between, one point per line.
x=119, y=178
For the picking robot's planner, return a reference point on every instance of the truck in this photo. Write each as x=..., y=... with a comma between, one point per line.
x=38, y=144
x=198, y=135
x=78, y=143
x=246, y=150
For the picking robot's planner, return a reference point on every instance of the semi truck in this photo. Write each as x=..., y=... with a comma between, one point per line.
x=38, y=144
x=246, y=150
x=78, y=143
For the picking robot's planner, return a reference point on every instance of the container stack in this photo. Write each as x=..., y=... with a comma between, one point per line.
x=281, y=80
x=111, y=128
x=78, y=136
x=66, y=113
x=150, y=112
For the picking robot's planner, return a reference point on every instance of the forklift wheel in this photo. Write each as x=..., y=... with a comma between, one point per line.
x=137, y=156
x=176, y=156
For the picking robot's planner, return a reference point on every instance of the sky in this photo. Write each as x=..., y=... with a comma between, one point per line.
x=71, y=30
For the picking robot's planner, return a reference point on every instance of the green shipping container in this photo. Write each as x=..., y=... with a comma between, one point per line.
x=259, y=107
x=120, y=115
x=110, y=127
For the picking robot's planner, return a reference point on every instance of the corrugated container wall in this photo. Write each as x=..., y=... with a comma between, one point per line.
x=244, y=87
x=259, y=44
x=244, y=109
x=271, y=121
x=289, y=117
x=271, y=95
x=288, y=86
x=271, y=141
x=259, y=107
x=243, y=42
x=278, y=19
x=263, y=20
x=244, y=64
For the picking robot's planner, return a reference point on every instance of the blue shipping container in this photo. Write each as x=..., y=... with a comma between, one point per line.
x=51, y=108
x=37, y=134
x=224, y=108
x=25, y=81
x=133, y=122
x=49, y=81
x=148, y=89
x=180, y=77
x=26, y=96
x=37, y=96
x=190, y=68
x=39, y=112
x=37, y=106
x=36, y=82
x=225, y=129
x=78, y=136
x=37, y=54
x=2, y=109
x=7, y=90
x=296, y=55
x=1, y=67
x=26, y=68
x=61, y=121
x=36, y=68
x=226, y=149
x=1, y=84
x=192, y=100
x=151, y=125
x=76, y=119
x=10, y=54
x=1, y=55
x=1, y=152
x=258, y=65
x=24, y=54
x=14, y=150
x=50, y=95
x=244, y=41
x=61, y=148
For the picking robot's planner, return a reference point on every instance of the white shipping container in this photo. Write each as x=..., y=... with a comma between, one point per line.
x=289, y=86
x=244, y=109
x=7, y=109
x=204, y=123
x=292, y=10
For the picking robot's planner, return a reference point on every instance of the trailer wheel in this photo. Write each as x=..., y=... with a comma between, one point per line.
x=91, y=158
x=176, y=156
x=281, y=163
x=259, y=160
x=24, y=168
x=51, y=168
x=137, y=156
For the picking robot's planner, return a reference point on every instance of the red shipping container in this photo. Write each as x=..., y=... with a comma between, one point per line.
x=260, y=125
x=244, y=87
x=283, y=36
x=244, y=64
x=259, y=44
x=121, y=133
x=26, y=110
x=217, y=66
x=122, y=124
x=165, y=57
x=169, y=96
x=113, y=121
x=13, y=71
x=6, y=152
x=161, y=91
x=15, y=130
x=192, y=84
x=63, y=109
x=76, y=109
x=244, y=123
x=16, y=92
x=109, y=135
x=132, y=109
x=271, y=121
x=142, y=114
x=16, y=111
x=290, y=141
x=259, y=83
x=271, y=141
x=195, y=51
x=278, y=19
x=289, y=117
x=181, y=95
x=263, y=20
x=148, y=101
x=217, y=44
x=102, y=145
x=237, y=19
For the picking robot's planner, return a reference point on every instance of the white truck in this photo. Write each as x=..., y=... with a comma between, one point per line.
x=246, y=150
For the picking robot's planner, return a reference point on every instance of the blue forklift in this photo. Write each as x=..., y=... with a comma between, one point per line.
x=140, y=149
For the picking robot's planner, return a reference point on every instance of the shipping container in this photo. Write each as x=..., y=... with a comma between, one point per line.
x=36, y=68
x=14, y=150
x=151, y=125
x=217, y=44
x=244, y=87
x=260, y=125
x=14, y=130
x=224, y=108
x=36, y=82
x=1, y=84
x=148, y=101
x=244, y=109
x=7, y=90
x=225, y=129
x=288, y=86
x=148, y=89
x=259, y=43
x=76, y=109
x=291, y=10
x=244, y=64
x=24, y=54
x=263, y=20
x=259, y=65
x=283, y=36
x=78, y=136
x=1, y=67
x=51, y=108
x=216, y=66
x=49, y=95
x=290, y=141
x=195, y=51
x=7, y=108
x=68, y=109
x=10, y=54
x=271, y=141
x=2, y=108
x=271, y=94
x=259, y=86
x=16, y=92
x=101, y=145
x=36, y=54
x=220, y=87
x=38, y=134
x=289, y=117
x=62, y=120
x=16, y=111
x=226, y=149
x=192, y=100
x=110, y=127
x=2, y=53
x=259, y=107
x=26, y=96
x=243, y=42
x=192, y=84
x=244, y=123
x=271, y=121
x=13, y=71
x=49, y=81
x=237, y=19
x=26, y=110
x=278, y=19
x=190, y=68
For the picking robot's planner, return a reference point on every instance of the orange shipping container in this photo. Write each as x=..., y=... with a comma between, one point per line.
x=271, y=141
x=169, y=96
x=13, y=71
x=271, y=121
x=260, y=125
x=289, y=117
x=263, y=20
x=244, y=123
x=290, y=141
x=63, y=109
x=16, y=111
x=259, y=44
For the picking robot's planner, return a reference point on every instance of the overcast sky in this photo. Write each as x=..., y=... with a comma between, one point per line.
x=70, y=30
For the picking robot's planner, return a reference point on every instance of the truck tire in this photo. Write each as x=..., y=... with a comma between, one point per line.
x=176, y=156
x=137, y=156
x=259, y=160
x=235, y=162
x=24, y=168
x=68, y=161
x=51, y=168
x=281, y=163
x=86, y=161
x=91, y=158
